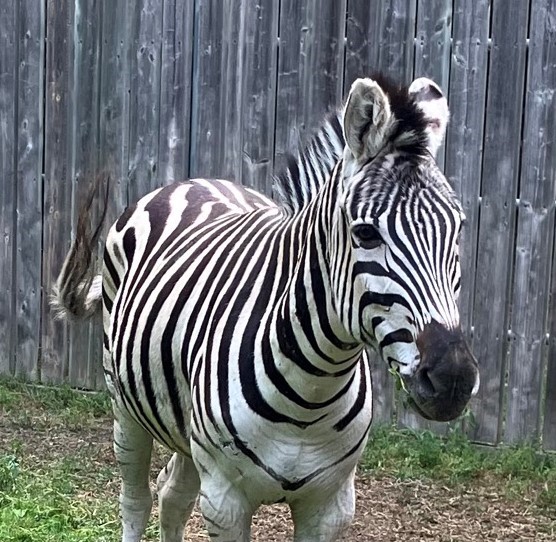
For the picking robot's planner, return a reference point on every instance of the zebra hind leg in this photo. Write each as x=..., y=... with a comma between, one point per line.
x=132, y=447
x=178, y=486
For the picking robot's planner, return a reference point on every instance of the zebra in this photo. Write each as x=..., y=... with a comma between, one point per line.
x=235, y=325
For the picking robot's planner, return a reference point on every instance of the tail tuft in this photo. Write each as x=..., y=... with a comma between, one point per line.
x=78, y=291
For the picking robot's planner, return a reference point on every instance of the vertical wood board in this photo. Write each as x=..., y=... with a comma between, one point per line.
x=57, y=203
x=84, y=354
x=464, y=138
x=114, y=106
x=310, y=70
x=29, y=194
x=259, y=46
x=175, y=91
x=8, y=194
x=496, y=224
x=549, y=428
x=432, y=60
x=380, y=38
x=215, y=145
x=144, y=25
x=535, y=230
x=433, y=47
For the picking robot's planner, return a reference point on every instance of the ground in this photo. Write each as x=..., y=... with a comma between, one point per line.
x=58, y=482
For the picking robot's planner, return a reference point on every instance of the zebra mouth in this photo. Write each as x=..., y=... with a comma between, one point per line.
x=433, y=402
x=413, y=404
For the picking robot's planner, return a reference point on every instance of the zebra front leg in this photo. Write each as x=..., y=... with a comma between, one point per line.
x=226, y=510
x=325, y=519
x=178, y=486
x=133, y=446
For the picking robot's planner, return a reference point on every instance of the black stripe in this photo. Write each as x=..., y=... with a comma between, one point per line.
x=359, y=402
x=399, y=336
x=109, y=266
x=108, y=303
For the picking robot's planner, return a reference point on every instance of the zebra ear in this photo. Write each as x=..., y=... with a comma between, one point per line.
x=367, y=119
x=429, y=99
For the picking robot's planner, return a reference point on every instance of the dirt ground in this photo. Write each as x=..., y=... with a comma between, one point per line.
x=387, y=509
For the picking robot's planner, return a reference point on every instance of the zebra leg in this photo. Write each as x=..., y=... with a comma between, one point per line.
x=178, y=486
x=326, y=519
x=226, y=510
x=133, y=446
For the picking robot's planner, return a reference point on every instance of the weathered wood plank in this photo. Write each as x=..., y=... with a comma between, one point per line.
x=380, y=37
x=464, y=138
x=310, y=69
x=85, y=339
x=234, y=92
x=535, y=230
x=432, y=44
x=549, y=428
x=57, y=211
x=175, y=92
x=8, y=98
x=495, y=249
x=433, y=47
x=114, y=104
x=29, y=194
x=145, y=42
x=467, y=97
x=259, y=45
x=215, y=145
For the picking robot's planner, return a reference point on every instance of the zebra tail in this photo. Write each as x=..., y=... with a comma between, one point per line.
x=77, y=294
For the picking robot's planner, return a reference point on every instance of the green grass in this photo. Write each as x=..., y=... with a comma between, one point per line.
x=28, y=405
x=407, y=454
x=52, y=482
x=58, y=479
x=49, y=503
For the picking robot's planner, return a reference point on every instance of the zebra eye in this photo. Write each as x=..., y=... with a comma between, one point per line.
x=367, y=235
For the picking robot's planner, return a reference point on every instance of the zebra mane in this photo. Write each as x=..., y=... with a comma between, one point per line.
x=307, y=171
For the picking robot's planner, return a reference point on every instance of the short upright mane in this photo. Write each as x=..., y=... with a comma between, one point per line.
x=307, y=171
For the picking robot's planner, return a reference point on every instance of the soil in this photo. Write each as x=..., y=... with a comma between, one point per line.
x=387, y=509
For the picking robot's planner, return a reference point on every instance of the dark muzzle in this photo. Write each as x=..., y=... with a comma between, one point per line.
x=447, y=375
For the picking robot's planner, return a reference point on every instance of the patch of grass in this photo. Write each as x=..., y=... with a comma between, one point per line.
x=58, y=479
x=408, y=454
x=28, y=405
x=50, y=502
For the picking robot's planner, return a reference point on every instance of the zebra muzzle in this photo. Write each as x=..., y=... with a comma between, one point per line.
x=447, y=375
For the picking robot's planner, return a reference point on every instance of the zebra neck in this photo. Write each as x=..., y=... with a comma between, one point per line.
x=309, y=329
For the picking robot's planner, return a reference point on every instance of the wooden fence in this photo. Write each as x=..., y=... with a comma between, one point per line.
x=157, y=90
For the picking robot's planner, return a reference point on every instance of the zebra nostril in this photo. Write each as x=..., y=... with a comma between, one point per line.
x=425, y=383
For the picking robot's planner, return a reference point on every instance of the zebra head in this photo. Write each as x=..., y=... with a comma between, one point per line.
x=399, y=220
